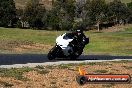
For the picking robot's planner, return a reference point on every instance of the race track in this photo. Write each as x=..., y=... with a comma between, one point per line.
x=32, y=60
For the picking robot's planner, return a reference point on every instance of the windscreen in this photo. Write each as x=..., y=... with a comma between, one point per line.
x=68, y=36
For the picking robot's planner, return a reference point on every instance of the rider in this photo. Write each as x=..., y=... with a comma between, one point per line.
x=79, y=40
x=79, y=36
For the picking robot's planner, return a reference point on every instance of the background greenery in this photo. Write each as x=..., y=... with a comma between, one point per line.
x=104, y=43
x=64, y=14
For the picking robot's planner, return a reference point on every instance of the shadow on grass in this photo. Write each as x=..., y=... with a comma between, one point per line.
x=9, y=59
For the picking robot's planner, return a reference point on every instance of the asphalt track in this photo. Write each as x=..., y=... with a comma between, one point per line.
x=32, y=60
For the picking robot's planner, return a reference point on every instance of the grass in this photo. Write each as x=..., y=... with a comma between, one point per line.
x=39, y=67
x=99, y=63
x=42, y=70
x=50, y=67
x=28, y=35
x=123, y=1
x=21, y=3
x=115, y=43
x=103, y=43
x=108, y=85
x=6, y=84
x=63, y=66
x=45, y=71
x=100, y=71
x=128, y=67
x=16, y=73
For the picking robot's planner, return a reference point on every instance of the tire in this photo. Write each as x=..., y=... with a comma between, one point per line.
x=50, y=56
x=81, y=80
x=52, y=53
x=76, y=55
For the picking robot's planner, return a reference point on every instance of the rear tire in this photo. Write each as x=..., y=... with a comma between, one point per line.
x=76, y=55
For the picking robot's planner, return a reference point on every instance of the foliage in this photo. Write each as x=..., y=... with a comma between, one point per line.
x=62, y=14
x=95, y=11
x=35, y=14
x=129, y=5
x=118, y=10
x=7, y=13
x=53, y=19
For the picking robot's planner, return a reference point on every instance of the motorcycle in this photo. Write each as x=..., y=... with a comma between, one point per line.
x=67, y=46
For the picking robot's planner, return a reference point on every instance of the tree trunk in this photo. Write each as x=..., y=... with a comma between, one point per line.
x=98, y=26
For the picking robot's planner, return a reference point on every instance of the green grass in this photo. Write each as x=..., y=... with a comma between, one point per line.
x=45, y=71
x=16, y=73
x=22, y=3
x=115, y=43
x=37, y=36
x=39, y=67
x=64, y=66
x=101, y=43
x=123, y=1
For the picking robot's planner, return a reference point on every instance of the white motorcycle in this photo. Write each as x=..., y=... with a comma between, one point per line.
x=67, y=46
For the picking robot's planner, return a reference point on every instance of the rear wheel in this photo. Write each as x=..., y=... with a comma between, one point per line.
x=76, y=55
x=73, y=56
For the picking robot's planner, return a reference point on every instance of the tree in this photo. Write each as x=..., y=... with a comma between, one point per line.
x=67, y=14
x=62, y=14
x=35, y=14
x=7, y=13
x=129, y=5
x=53, y=19
x=95, y=10
x=118, y=11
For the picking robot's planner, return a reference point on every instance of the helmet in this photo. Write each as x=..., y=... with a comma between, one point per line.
x=79, y=31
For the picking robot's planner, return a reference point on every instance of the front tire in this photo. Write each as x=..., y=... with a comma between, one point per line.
x=53, y=53
x=50, y=56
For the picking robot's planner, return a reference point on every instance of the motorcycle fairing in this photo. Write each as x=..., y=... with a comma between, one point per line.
x=63, y=41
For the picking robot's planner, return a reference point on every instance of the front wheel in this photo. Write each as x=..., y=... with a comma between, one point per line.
x=50, y=56
x=52, y=53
